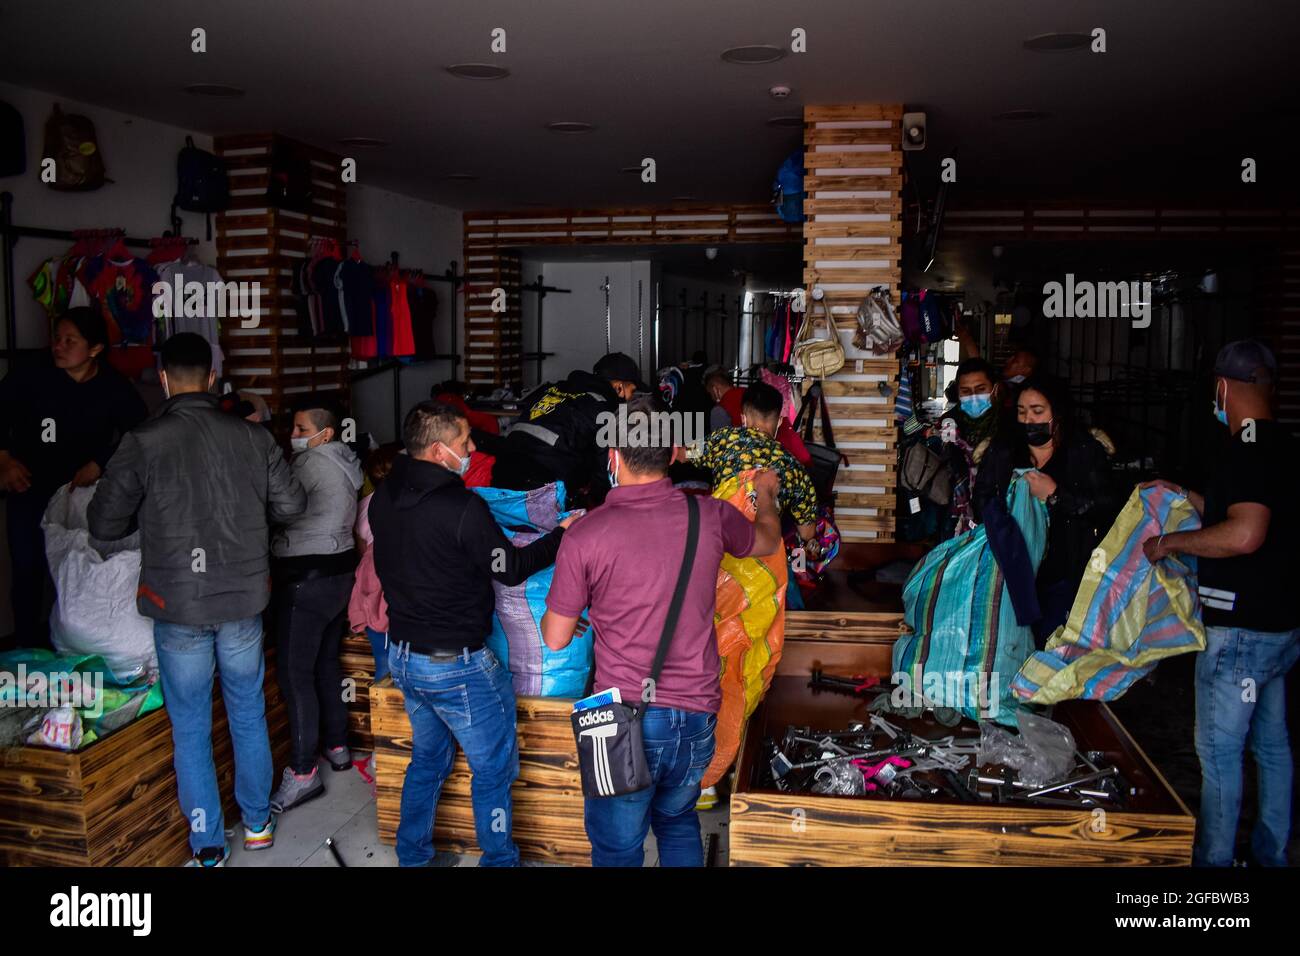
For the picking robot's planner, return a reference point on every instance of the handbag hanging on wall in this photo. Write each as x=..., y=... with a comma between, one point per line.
x=819, y=357
x=826, y=458
x=611, y=751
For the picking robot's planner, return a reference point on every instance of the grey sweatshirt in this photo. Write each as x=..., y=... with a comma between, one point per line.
x=331, y=475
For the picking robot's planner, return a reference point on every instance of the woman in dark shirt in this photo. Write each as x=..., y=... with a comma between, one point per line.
x=60, y=422
x=1070, y=476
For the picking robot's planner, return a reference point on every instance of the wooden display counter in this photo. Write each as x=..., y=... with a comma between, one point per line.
x=770, y=828
x=547, y=797
x=357, y=661
x=114, y=802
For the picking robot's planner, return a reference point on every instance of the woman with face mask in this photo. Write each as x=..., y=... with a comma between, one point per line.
x=1069, y=474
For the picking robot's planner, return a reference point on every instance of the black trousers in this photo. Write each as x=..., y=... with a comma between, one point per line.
x=31, y=589
x=311, y=619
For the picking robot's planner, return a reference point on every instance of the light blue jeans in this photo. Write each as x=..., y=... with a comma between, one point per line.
x=1240, y=702
x=188, y=657
x=470, y=702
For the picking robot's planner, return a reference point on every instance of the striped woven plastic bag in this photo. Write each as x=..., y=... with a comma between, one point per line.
x=965, y=644
x=1128, y=614
x=750, y=622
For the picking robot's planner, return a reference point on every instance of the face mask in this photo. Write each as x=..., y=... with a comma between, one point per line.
x=462, y=463
x=613, y=472
x=1221, y=413
x=1016, y=379
x=976, y=405
x=302, y=444
x=1037, y=434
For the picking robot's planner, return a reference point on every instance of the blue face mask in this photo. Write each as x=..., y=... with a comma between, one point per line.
x=613, y=481
x=1220, y=412
x=976, y=405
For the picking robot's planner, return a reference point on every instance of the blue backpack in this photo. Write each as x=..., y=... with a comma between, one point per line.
x=787, y=188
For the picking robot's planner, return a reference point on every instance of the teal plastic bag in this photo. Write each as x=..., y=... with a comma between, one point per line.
x=38, y=681
x=965, y=646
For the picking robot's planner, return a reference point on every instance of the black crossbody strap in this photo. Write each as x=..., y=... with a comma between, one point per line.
x=679, y=593
x=806, y=414
x=828, y=437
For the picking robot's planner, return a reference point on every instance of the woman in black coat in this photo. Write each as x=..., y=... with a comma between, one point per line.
x=60, y=421
x=1071, y=477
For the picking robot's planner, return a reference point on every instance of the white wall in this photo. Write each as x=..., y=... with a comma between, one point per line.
x=140, y=157
x=574, y=324
x=426, y=236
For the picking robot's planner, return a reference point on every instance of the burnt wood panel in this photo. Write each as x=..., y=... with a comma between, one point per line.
x=547, y=797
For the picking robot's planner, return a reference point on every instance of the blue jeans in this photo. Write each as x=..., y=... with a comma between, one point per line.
x=467, y=702
x=188, y=656
x=678, y=748
x=1240, y=700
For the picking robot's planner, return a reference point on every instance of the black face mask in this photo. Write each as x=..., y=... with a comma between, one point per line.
x=1037, y=434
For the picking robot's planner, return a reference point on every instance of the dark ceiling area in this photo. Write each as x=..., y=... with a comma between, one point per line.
x=1181, y=95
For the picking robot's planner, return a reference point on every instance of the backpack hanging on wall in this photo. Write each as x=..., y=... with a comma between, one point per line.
x=787, y=189
x=289, y=186
x=70, y=141
x=201, y=182
x=13, y=142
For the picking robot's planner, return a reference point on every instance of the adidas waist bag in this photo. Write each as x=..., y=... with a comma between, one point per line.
x=611, y=755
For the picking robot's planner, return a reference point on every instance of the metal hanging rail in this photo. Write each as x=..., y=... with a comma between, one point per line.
x=540, y=355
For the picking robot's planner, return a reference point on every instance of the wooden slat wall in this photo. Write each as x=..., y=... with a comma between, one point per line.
x=257, y=242
x=1059, y=220
x=493, y=339
x=852, y=244
x=1277, y=314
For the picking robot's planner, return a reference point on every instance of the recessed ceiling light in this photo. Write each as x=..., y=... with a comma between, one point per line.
x=752, y=55
x=478, y=71
x=1021, y=116
x=1057, y=42
x=569, y=126
x=363, y=142
x=214, y=89
x=785, y=122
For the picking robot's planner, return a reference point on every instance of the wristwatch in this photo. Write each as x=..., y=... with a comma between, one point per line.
x=1053, y=498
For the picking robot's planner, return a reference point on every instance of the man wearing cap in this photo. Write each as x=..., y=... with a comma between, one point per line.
x=555, y=437
x=1249, y=606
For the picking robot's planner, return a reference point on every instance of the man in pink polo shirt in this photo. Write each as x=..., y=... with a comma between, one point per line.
x=621, y=561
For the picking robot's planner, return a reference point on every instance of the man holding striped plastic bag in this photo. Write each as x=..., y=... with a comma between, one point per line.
x=1250, y=608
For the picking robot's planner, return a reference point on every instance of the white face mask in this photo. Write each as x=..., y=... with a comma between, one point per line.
x=463, y=465
x=612, y=472
x=302, y=444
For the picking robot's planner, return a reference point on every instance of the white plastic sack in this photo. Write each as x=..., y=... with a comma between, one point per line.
x=95, y=583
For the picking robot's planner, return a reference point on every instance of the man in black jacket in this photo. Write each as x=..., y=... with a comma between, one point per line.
x=200, y=482
x=437, y=550
x=555, y=437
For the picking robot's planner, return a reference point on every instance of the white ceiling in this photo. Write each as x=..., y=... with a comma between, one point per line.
x=1184, y=91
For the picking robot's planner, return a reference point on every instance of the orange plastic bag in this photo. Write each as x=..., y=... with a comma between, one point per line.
x=750, y=623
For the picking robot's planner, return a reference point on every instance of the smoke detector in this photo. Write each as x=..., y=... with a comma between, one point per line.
x=779, y=92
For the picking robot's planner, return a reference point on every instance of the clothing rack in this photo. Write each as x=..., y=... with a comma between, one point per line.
x=9, y=236
x=541, y=289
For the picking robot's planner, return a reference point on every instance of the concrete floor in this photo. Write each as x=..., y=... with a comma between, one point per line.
x=347, y=813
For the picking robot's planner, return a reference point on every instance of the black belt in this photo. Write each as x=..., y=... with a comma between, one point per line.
x=437, y=654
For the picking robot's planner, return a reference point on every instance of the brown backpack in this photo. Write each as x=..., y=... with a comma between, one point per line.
x=70, y=141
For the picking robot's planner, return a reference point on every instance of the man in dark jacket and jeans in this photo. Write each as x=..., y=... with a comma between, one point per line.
x=199, y=483
x=437, y=551
x=555, y=437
